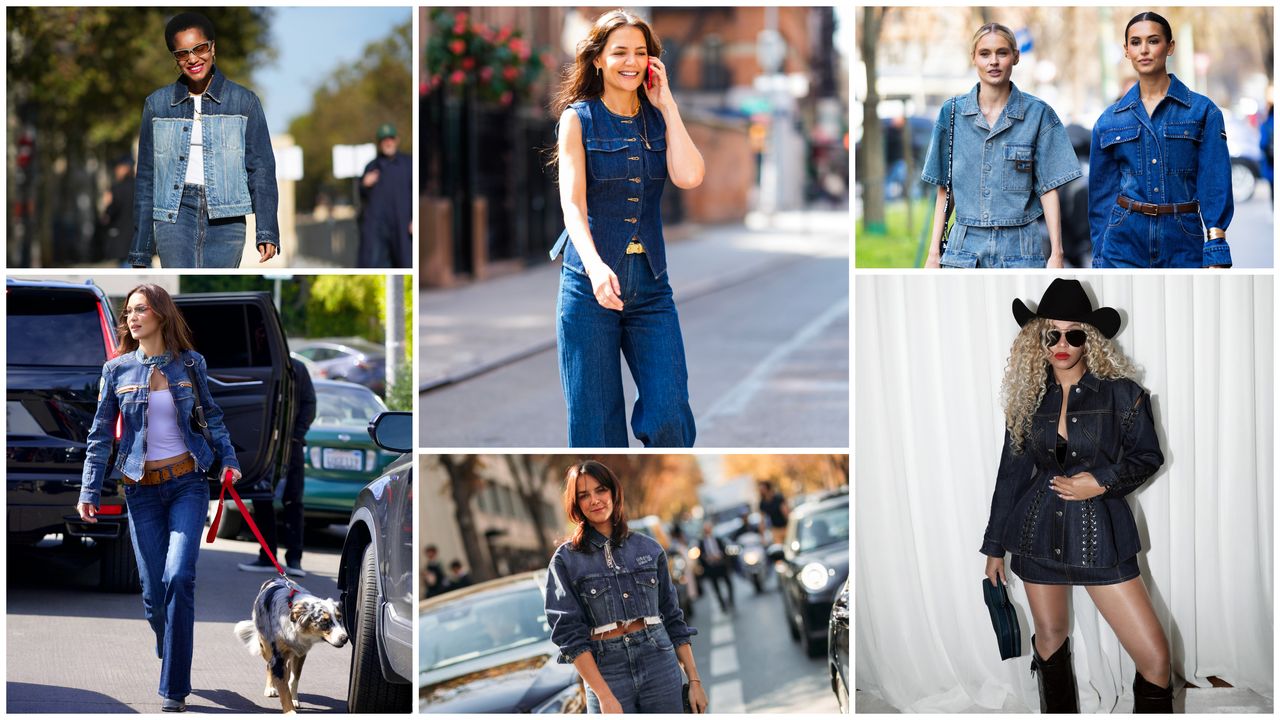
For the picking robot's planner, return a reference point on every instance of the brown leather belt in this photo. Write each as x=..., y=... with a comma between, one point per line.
x=1156, y=209
x=163, y=474
x=633, y=626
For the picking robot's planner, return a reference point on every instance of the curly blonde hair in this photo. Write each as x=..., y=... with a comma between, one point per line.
x=1024, y=384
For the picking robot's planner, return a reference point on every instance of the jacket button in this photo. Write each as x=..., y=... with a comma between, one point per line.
x=1117, y=137
x=186, y=129
x=1059, y=513
x=1157, y=189
x=1073, y=454
x=175, y=187
x=1077, y=389
x=1057, y=551
x=182, y=157
x=1074, y=419
x=626, y=595
x=593, y=591
x=1154, y=161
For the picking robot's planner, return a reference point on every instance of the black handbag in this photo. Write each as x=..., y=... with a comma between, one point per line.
x=946, y=216
x=688, y=707
x=198, y=422
x=1004, y=618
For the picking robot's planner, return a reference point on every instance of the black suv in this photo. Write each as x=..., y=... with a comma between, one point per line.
x=59, y=336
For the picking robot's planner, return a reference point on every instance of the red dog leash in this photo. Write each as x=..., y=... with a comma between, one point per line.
x=228, y=485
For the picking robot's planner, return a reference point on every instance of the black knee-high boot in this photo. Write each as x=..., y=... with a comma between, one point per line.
x=1151, y=698
x=1057, y=679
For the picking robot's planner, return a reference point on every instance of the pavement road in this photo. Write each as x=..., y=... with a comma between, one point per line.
x=71, y=649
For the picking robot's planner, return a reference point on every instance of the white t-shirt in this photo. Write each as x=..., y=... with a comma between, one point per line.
x=195, y=158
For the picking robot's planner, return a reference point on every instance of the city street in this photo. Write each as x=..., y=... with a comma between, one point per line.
x=1252, y=230
x=765, y=319
x=71, y=649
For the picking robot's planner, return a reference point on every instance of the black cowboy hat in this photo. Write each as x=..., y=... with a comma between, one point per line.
x=1066, y=300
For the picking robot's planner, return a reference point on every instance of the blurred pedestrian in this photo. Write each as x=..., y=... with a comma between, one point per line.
x=264, y=511
x=612, y=607
x=433, y=576
x=714, y=562
x=204, y=162
x=620, y=138
x=680, y=549
x=1267, y=142
x=1159, y=168
x=115, y=222
x=1012, y=153
x=458, y=578
x=774, y=511
x=386, y=213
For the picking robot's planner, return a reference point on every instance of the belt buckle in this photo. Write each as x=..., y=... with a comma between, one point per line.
x=1151, y=209
x=635, y=248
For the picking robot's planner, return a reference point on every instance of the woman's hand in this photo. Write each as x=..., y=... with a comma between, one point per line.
x=660, y=94
x=604, y=284
x=266, y=251
x=235, y=474
x=1055, y=261
x=995, y=569
x=697, y=696
x=610, y=706
x=1080, y=486
x=88, y=512
x=934, y=261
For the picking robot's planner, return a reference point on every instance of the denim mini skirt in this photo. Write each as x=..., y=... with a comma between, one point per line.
x=1052, y=572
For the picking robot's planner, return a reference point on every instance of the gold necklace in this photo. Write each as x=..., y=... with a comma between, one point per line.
x=615, y=112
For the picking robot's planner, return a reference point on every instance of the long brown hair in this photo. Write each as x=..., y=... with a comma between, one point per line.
x=173, y=327
x=605, y=476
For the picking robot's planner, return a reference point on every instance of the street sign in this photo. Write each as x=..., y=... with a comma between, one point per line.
x=289, y=163
x=350, y=160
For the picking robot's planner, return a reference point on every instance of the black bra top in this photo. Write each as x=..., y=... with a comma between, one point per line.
x=1061, y=450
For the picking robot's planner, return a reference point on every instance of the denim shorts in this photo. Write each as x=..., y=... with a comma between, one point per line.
x=1020, y=246
x=1052, y=572
x=641, y=671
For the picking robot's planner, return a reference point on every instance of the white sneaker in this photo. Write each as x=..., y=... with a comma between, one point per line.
x=295, y=571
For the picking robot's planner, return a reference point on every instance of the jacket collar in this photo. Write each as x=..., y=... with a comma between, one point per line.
x=1015, y=108
x=1088, y=381
x=1177, y=91
x=161, y=359
x=213, y=92
x=596, y=539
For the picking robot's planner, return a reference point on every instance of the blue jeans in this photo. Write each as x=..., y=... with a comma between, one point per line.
x=1132, y=239
x=1020, y=246
x=195, y=241
x=647, y=332
x=641, y=671
x=165, y=521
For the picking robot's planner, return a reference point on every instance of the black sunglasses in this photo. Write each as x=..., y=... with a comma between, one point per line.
x=1075, y=338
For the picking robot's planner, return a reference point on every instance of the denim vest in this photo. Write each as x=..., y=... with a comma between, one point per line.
x=239, y=164
x=1110, y=434
x=123, y=391
x=607, y=584
x=625, y=180
x=999, y=174
x=1177, y=156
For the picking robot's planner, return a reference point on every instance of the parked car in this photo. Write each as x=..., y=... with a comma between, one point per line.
x=59, y=336
x=487, y=649
x=340, y=456
x=375, y=577
x=838, y=647
x=813, y=563
x=352, y=359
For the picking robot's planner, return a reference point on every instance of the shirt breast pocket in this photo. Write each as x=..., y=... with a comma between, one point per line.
x=655, y=159
x=596, y=593
x=1019, y=162
x=1122, y=144
x=607, y=158
x=1182, y=145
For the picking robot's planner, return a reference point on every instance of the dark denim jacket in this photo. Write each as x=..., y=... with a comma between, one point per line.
x=1111, y=434
x=610, y=584
x=239, y=164
x=1177, y=156
x=625, y=180
x=124, y=390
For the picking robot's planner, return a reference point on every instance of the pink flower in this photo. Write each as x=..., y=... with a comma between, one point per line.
x=503, y=33
x=457, y=47
x=519, y=48
x=424, y=86
x=505, y=99
x=486, y=73
x=548, y=60
x=468, y=63
x=510, y=72
x=458, y=77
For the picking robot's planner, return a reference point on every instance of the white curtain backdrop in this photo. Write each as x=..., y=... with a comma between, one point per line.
x=930, y=355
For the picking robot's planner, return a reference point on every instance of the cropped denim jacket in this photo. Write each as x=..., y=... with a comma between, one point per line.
x=609, y=583
x=124, y=391
x=239, y=164
x=1111, y=434
x=625, y=179
x=999, y=173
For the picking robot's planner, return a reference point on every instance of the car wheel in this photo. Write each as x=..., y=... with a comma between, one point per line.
x=813, y=648
x=1243, y=182
x=119, y=566
x=368, y=691
x=232, y=523
x=791, y=625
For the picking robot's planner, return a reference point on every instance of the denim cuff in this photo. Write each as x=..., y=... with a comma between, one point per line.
x=568, y=656
x=1107, y=477
x=991, y=548
x=90, y=497
x=1059, y=182
x=267, y=237
x=137, y=258
x=1217, y=252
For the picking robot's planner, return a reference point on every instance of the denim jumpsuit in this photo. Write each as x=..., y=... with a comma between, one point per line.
x=203, y=226
x=1175, y=156
x=165, y=520
x=625, y=179
x=619, y=583
x=994, y=174
x=1112, y=435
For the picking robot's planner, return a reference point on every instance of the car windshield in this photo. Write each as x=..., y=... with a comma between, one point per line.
x=346, y=405
x=479, y=626
x=823, y=528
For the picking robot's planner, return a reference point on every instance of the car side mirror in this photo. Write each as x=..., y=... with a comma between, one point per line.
x=393, y=431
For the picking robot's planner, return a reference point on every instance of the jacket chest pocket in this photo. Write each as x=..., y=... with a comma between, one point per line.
x=1019, y=160
x=1122, y=144
x=609, y=159
x=596, y=594
x=655, y=158
x=131, y=394
x=171, y=137
x=646, y=591
x=1182, y=145
x=1085, y=432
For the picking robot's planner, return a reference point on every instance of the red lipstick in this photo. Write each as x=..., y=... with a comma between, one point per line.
x=1061, y=356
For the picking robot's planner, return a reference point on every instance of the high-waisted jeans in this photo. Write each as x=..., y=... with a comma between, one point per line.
x=165, y=521
x=641, y=671
x=647, y=333
x=195, y=241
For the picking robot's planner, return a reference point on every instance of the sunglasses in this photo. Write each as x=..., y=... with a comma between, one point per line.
x=200, y=50
x=1075, y=338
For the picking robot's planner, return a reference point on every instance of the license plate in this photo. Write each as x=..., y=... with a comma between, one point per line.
x=333, y=459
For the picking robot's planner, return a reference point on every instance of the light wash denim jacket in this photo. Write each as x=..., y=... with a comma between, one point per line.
x=239, y=164
x=124, y=390
x=609, y=583
x=997, y=169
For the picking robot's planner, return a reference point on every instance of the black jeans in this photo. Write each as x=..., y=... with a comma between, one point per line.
x=718, y=574
x=264, y=513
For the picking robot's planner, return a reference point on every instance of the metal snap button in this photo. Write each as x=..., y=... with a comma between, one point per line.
x=1057, y=551
x=1074, y=419
x=1154, y=161
x=1077, y=389
x=1073, y=454
x=1157, y=189
x=593, y=591
x=626, y=595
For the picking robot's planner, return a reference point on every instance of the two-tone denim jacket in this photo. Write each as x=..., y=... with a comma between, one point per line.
x=609, y=584
x=239, y=164
x=1111, y=434
x=999, y=174
x=124, y=390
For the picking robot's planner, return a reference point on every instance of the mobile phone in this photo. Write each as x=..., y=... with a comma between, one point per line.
x=648, y=74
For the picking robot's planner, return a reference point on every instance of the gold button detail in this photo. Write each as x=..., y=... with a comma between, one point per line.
x=634, y=157
x=633, y=221
x=635, y=180
x=633, y=199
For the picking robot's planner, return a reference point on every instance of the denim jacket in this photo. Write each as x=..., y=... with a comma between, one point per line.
x=995, y=171
x=239, y=164
x=1111, y=434
x=625, y=179
x=123, y=391
x=1177, y=156
x=609, y=583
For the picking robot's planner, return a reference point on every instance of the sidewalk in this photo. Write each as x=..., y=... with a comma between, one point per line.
x=470, y=330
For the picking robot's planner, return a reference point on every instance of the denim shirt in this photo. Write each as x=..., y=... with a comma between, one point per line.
x=124, y=390
x=1176, y=156
x=625, y=180
x=609, y=583
x=239, y=164
x=997, y=169
x=1111, y=434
